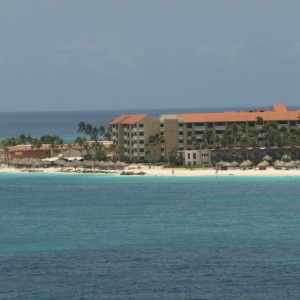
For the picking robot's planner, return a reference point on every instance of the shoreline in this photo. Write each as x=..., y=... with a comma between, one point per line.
x=162, y=172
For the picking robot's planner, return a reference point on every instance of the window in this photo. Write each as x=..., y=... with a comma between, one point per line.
x=141, y=125
x=194, y=155
x=210, y=125
x=189, y=156
x=200, y=124
x=189, y=125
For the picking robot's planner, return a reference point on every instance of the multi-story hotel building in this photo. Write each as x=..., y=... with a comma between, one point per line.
x=132, y=131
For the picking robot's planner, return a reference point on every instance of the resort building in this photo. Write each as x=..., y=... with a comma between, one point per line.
x=27, y=151
x=192, y=158
x=130, y=132
x=180, y=132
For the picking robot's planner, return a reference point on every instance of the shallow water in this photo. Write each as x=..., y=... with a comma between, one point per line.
x=71, y=236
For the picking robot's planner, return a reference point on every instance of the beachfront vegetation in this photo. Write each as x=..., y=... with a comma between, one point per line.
x=237, y=135
x=88, y=142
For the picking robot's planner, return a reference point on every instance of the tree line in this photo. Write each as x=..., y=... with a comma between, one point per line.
x=89, y=140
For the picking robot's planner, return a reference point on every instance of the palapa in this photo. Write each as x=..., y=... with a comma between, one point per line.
x=267, y=158
x=246, y=164
x=286, y=157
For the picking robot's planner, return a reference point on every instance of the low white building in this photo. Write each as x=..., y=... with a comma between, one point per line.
x=194, y=157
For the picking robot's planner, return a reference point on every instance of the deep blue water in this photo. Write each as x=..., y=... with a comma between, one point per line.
x=114, y=237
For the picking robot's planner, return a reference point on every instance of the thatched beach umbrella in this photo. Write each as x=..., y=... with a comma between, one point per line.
x=289, y=165
x=61, y=163
x=278, y=164
x=88, y=164
x=219, y=164
x=75, y=164
x=267, y=158
x=263, y=165
x=246, y=164
x=234, y=164
x=286, y=157
x=121, y=165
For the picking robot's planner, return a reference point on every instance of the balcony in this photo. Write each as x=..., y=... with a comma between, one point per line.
x=200, y=128
x=220, y=127
x=181, y=145
x=199, y=136
x=180, y=137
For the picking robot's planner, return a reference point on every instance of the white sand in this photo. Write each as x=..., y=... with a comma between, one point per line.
x=160, y=171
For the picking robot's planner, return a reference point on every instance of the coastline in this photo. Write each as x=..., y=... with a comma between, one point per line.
x=164, y=172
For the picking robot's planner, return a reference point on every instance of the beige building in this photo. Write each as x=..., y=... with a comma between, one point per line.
x=131, y=132
x=192, y=157
x=180, y=131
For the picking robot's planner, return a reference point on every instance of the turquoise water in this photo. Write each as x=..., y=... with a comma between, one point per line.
x=113, y=237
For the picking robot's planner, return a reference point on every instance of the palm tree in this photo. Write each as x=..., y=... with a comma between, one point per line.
x=207, y=135
x=5, y=144
x=36, y=143
x=152, y=143
x=82, y=142
x=259, y=120
x=114, y=149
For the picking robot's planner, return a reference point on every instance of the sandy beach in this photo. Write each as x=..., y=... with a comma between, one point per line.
x=160, y=171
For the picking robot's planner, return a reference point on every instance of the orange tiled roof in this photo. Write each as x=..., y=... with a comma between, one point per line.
x=279, y=113
x=28, y=147
x=134, y=119
x=119, y=119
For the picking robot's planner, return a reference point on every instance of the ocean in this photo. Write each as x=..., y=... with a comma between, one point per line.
x=79, y=236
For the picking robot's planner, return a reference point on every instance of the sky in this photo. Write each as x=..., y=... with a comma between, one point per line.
x=58, y=55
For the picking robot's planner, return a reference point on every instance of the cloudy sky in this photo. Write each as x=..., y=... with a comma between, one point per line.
x=124, y=54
